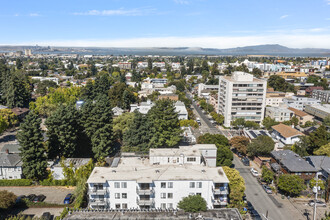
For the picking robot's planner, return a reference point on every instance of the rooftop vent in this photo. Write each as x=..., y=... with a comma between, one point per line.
x=157, y=171
x=113, y=171
x=203, y=171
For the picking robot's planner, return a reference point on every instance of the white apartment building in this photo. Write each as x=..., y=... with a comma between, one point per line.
x=161, y=180
x=299, y=102
x=176, y=66
x=279, y=114
x=241, y=96
x=54, y=79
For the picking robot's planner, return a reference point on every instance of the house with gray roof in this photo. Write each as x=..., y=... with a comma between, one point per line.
x=288, y=162
x=321, y=164
x=57, y=169
x=10, y=166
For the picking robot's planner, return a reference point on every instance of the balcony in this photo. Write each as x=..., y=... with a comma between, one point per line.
x=221, y=202
x=145, y=191
x=145, y=202
x=98, y=202
x=220, y=191
x=95, y=191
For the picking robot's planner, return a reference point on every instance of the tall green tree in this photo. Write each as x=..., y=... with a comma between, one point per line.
x=267, y=175
x=7, y=199
x=269, y=122
x=116, y=94
x=3, y=124
x=213, y=139
x=138, y=135
x=291, y=184
x=165, y=126
x=318, y=138
x=33, y=152
x=261, y=146
x=63, y=130
x=97, y=123
x=236, y=185
x=193, y=203
x=224, y=156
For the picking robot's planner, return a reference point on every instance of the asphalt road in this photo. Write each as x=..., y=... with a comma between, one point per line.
x=261, y=201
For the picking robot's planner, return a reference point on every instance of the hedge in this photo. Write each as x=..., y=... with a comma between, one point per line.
x=16, y=182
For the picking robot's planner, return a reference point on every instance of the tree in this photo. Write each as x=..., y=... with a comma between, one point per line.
x=267, y=175
x=43, y=87
x=205, y=66
x=318, y=138
x=9, y=116
x=127, y=99
x=323, y=150
x=165, y=126
x=238, y=122
x=269, y=122
x=326, y=121
x=240, y=143
x=19, y=64
x=301, y=146
x=291, y=184
x=217, y=117
x=97, y=122
x=224, y=156
x=193, y=203
x=186, y=123
x=138, y=135
x=256, y=72
x=3, y=124
x=7, y=199
x=33, y=152
x=121, y=125
x=63, y=131
x=213, y=139
x=279, y=84
x=236, y=185
x=116, y=94
x=260, y=146
x=251, y=125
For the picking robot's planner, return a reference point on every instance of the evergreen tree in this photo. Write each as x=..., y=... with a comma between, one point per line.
x=19, y=64
x=138, y=135
x=165, y=126
x=102, y=85
x=88, y=91
x=97, y=123
x=64, y=130
x=32, y=148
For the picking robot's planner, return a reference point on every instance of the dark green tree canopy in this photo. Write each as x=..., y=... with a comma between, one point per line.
x=213, y=139
x=261, y=146
x=193, y=203
x=291, y=184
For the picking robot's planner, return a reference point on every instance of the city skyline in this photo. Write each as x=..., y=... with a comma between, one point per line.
x=170, y=23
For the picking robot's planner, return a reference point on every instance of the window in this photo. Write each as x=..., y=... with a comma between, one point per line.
x=162, y=185
x=117, y=206
x=192, y=185
x=170, y=195
x=123, y=185
x=191, y=194
x=199, y=184
x=124, y=205
x=170, y=185
x=163, y=205
x=124, y=195
x=200, y=194
x=163, y=195
x=117, y=185
x=117, y=195
x=191, y=159
x=170, y=205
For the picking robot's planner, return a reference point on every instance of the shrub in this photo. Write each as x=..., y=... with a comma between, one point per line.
x=291, y=184
x=7, y=199
x=193, y=203
x=18, y=182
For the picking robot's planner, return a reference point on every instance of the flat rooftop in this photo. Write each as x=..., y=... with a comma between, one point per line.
x=215, y=214
x=138, y=169
x=185, y=150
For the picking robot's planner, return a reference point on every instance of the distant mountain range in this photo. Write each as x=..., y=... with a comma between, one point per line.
x=268, y=49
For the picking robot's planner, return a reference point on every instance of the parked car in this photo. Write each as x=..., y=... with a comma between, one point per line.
x=267, y=189
x=255, y=215
x=254, y=172
x=39, y=198
x=245, y=161
x=68, y=199
x=20, y=198
x=318, y=203
x=249, y=206
x=46, y=216
x=31, y=197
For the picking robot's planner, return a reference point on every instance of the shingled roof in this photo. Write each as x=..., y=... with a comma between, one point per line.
x=10, y=160
x=292, y=161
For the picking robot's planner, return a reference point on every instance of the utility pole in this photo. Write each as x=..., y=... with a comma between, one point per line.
x=316, y=191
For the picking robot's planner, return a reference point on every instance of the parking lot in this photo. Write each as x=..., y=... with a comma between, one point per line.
x=54, y=194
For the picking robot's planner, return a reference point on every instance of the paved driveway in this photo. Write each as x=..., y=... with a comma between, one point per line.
x=54, y=194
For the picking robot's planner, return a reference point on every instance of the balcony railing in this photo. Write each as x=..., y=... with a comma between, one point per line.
x=96, y=191
x=145, y=191
x=220, y=191
x=220, y=202
x=145, y=202
x=98, y=202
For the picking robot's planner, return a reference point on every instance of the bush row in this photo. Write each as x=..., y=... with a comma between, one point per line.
x=17, y=182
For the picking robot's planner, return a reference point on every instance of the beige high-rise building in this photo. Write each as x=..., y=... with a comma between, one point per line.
x=241, y=96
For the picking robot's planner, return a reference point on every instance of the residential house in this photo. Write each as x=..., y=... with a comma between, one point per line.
x=117, y=111
x=286, y=134
x=321, y=164
x=288, y=162
x=299, y=102
x=10, y=165
x=303, y=117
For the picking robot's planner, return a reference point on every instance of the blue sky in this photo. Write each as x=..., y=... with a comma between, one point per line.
x=155, y=23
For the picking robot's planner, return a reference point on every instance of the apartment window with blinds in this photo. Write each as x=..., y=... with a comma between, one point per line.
x=123, y=185
x=192, y=184
x=199, y=184
x=117, y=185
x=170, y=185
x=117, y=195
x=163, y=195
x=191, y=159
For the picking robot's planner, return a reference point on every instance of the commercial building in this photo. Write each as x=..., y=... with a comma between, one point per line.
x=322, y=95
x=319, y=111
x=160, y=180
x=279, y=114
x=241, y=96
x=299, y=102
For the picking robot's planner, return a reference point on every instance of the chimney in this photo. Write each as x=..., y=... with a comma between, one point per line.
x=7, y=151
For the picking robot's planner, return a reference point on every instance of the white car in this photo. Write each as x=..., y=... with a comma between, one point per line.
x=254, y=172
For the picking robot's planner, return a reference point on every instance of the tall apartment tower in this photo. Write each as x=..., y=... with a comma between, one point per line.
x=241, y=96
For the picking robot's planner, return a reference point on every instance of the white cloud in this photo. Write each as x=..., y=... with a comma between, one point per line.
x=182, y=2
x=119, y=12
x=284, y=16
x=34, y=15
x=290, y=40
x=328, y=2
